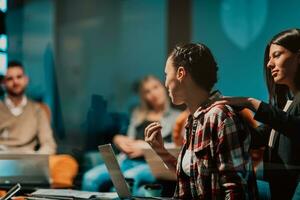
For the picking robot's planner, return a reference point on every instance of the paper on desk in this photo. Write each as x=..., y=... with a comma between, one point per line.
x=74, y=194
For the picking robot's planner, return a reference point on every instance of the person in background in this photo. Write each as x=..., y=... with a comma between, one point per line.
x=24, y=126
x=282, y=114
x=214, y=162
x=154, y=106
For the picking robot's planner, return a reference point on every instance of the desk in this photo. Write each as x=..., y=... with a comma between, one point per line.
x=57, y=193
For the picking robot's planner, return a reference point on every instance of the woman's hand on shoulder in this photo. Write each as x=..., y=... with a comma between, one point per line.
x=239, y=102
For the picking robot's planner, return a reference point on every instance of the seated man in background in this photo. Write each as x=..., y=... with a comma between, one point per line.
x=23, y=123
x=25, y=127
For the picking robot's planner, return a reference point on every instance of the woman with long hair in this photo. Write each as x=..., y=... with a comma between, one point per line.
x=280, y=133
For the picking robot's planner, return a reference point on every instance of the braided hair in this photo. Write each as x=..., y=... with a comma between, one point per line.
x=198, y=60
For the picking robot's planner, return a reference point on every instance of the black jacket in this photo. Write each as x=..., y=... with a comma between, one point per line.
x=282, y=162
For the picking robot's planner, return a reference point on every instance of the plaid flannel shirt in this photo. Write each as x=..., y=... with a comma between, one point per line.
x=221, y=167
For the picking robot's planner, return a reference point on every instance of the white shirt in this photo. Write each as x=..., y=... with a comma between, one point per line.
x=15, y=110
x=186, y=162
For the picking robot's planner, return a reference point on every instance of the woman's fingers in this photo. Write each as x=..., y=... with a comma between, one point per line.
x=220, y=102
x=152, y=140
x=153, y=135
x=150, y=128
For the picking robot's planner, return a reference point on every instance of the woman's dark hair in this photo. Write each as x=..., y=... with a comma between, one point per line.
x=198, y=60
x=289, y=39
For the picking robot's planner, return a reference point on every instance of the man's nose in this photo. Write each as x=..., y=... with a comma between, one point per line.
x=15, y=81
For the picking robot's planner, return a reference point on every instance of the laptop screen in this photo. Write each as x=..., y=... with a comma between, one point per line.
x=114, y=170
x=25, y=169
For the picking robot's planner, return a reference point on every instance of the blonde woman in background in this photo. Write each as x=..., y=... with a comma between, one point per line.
x=154, y=106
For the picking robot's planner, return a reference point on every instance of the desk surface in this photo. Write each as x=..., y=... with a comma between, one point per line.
x=63, y=193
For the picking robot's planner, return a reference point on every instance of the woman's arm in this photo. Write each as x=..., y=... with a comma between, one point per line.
x=285, y=123
x=259, y=136
x=154, y=138
x=275, y=118
x=240, y=102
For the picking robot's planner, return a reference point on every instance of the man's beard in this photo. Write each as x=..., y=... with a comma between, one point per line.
x=16, y=94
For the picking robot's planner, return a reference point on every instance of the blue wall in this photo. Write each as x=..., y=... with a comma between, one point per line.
x=30, y=40
x=237, y=31
x=103, y=46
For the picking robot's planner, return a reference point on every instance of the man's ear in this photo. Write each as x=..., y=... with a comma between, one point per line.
x=181, y=73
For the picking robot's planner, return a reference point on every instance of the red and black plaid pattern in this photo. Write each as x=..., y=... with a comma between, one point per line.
x=221, y=167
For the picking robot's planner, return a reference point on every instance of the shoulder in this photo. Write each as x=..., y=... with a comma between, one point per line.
x=173, y=112
x=136, y=112
x=33, y=104
x=38, y=107
x=170, y=116
x=220, y=112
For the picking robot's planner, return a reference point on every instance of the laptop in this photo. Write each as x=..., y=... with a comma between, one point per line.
x=116, y=175
x=11, y=192
x=159, y=170
x=30, y=170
